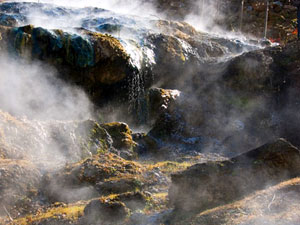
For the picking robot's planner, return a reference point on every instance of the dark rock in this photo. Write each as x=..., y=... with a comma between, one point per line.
x=98, y=211
x=208, y=185
x=158, y=100
x=146, y=144
x=118, y=186
x=250, y=72
x=122, y=138
x=133, y=200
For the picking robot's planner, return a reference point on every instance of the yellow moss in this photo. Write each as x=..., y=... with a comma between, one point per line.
x=161, y=195
x=182, y=57
x=71, y=212
x=169, y=166
x=108, y=41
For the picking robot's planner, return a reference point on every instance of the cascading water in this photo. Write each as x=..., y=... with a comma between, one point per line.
x=131, y=31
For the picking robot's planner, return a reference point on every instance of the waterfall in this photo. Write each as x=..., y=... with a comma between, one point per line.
x=241, y=16
x=266, y=19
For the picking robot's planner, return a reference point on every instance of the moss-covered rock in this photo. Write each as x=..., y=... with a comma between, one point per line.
x=79, y=181
x=121, y=135
x=117, y=186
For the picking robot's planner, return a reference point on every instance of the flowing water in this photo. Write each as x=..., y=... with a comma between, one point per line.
x=131, y=30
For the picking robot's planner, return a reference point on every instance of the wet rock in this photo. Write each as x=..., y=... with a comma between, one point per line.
x=98, y=211
x=176, y=27
x=10, y=20
x=208, y=185
x=172, y=58
x=287, y=92
x=92, y=60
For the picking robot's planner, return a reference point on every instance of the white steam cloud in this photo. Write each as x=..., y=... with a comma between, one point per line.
x=34, y=91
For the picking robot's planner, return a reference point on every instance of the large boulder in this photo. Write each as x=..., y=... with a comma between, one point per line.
x=118, y=186
x=211, y=184
x=252, y=71
x=92, y=60
x=93, y=55
x=82, y=180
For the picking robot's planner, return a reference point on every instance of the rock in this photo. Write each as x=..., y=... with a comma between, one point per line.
x=273, y=204
x=92, y=60
x=250, y=72
x=98, y=211
x=158, y=100
x=79, y=180
x=118, y=186
x=212, y=184
x=146, y=144
x=121, y=136
x=287, y=92
x=172, y=58
x=133, y=200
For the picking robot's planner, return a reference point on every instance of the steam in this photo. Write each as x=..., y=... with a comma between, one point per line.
x=33, y=90
x=125, y=7
x=204, y=15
